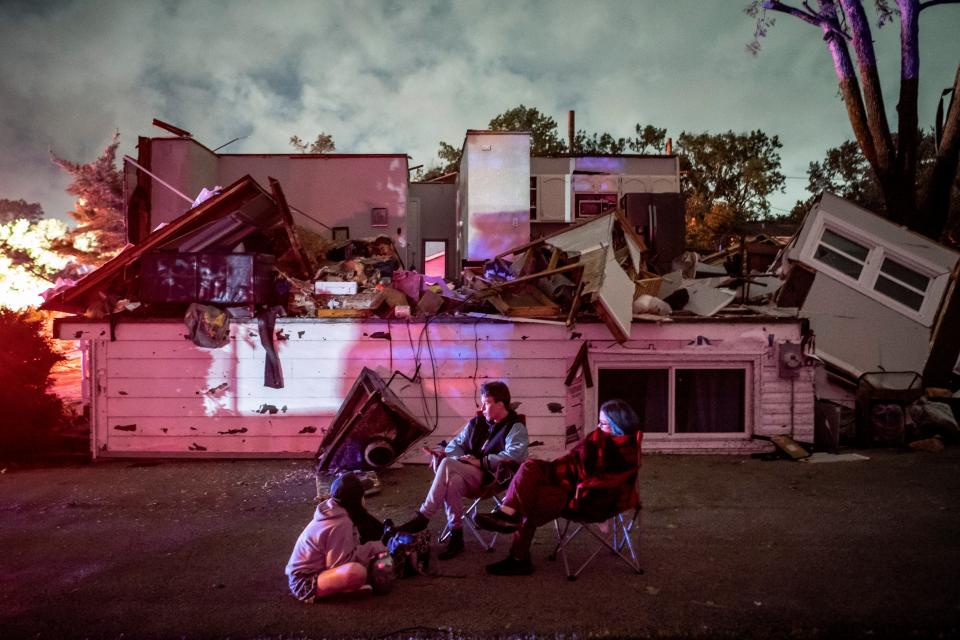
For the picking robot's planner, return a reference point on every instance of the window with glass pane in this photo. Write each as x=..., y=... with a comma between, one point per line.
x=646, y=390
x=710, y=400
x=843, y=254
x=902, y=283
x=905, y=275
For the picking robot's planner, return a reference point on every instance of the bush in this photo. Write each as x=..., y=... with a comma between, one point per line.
x=30, y=413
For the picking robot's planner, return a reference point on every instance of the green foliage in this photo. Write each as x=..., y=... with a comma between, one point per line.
x=845, y=172
x=11, y=210
x=101, y=229
x=27, y=263
x=649, y=139
x=545, y=140
x=738, y=169
x=323, y=144
x=30, y=413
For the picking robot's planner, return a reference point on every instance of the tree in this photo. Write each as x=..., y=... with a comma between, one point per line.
x=323, y=144
x=893, y=158
x=30, y=411
x=715, y=221
x=11, y=210
x=738, y=169
x=28, y=264
x=545, y=139
x=649, y=138
x=101, y=229
x=846, y=172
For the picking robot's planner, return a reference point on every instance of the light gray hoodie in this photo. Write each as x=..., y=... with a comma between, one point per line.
x=330, y=540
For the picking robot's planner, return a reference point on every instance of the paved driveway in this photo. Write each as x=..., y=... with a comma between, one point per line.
x=733, y=547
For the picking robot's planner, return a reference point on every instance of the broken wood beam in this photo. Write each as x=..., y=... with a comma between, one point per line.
x=499, y=285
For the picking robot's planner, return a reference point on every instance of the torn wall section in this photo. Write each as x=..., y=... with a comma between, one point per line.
x=157, y=393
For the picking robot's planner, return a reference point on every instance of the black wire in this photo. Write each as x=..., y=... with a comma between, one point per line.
x=476, y=364
x=390, y=334
x=433, y=367
x=416, y=360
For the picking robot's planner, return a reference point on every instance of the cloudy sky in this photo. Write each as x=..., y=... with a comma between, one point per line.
x=399, y=76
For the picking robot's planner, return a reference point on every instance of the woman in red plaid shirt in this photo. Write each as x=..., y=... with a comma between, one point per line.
x=541, y=490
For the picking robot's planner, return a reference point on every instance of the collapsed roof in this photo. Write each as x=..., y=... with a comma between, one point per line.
x=219, y=223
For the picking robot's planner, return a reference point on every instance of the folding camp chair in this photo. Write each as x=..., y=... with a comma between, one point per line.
x=493, y=492
x=608, y=508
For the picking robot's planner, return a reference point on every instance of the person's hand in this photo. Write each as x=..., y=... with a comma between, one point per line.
x=470, y=460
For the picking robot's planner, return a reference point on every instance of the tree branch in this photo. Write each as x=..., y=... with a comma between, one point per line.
x=936, y=203
x=933, y=3
x=876, y=114
x=775, y=5
x=907, y=140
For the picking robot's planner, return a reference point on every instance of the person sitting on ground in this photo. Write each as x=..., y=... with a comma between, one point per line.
x=333, y=551
x=541, y=489
x=489, y=445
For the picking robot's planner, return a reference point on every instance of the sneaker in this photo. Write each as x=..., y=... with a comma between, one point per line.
x=510, y=566
x=454, y=545
x=498, y=521
x=415, y=524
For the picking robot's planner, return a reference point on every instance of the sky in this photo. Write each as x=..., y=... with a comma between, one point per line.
x=400, y=76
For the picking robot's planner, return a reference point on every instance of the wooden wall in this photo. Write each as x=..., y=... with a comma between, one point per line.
x=156, y=393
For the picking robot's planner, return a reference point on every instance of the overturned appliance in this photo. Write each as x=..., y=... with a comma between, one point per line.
x=371, y=429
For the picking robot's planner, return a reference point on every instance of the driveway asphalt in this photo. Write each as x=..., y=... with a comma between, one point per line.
x=732, y=547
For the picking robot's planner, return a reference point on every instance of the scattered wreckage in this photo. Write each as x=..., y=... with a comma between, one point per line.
x=238, y=257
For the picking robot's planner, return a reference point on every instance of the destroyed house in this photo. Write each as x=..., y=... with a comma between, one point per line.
x=878, y=296
x=553, y=317
x=505, y=196
x=342, y=195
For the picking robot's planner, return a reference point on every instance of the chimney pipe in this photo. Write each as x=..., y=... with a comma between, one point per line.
x=669, y=146
x=571, y=130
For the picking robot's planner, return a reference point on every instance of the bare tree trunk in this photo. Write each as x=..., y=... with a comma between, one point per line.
x=870, y=80
x=829, y=23
x=936, y=203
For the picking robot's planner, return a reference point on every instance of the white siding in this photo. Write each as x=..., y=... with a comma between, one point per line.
x=157, y=393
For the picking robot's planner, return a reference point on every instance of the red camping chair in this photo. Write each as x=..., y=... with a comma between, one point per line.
x=608, y=508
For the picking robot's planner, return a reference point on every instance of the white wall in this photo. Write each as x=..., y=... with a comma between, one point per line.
x=334, y=189
x=495, y=204
x=187, y=166
x=337, y=189
x=159, y=394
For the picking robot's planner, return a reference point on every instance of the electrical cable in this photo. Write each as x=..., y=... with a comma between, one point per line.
x=476, y=363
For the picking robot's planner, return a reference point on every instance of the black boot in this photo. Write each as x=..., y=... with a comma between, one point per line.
x=415, y=524
x=511, y=566
x=454, y=545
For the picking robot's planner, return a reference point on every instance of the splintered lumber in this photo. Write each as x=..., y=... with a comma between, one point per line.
x=495, y=287
x=295, y=245
x=525, y=301
x=789, y=446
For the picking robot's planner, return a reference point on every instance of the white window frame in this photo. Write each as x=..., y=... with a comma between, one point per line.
x=878, y=251
x=739, y=362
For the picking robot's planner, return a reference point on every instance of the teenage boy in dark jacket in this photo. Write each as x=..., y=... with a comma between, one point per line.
x=487, y=445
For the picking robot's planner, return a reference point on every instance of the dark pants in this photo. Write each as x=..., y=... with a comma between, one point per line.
x=537, y=498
